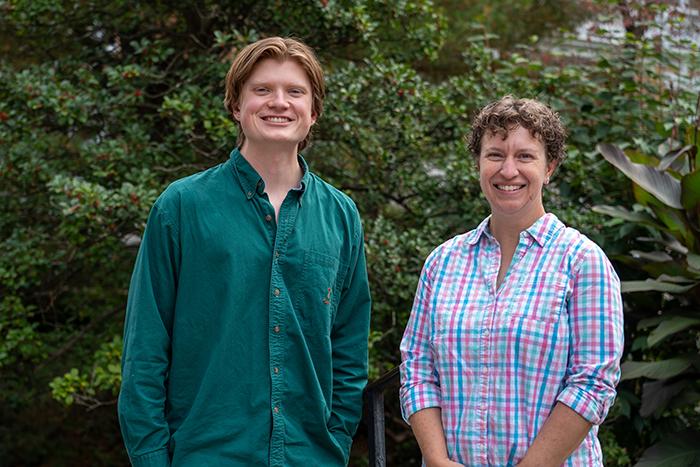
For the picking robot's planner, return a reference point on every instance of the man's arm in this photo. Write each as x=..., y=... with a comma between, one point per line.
x=596, y=343
x=145, y=358
x=349, y=342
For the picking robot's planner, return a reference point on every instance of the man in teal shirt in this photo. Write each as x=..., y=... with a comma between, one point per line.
x=245, y=341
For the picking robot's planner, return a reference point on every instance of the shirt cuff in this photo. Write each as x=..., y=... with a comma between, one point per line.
x=583, y=403
x=419, y=397
x=344, y=442
x=159, y=458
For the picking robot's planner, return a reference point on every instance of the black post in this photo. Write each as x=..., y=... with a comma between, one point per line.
x=377, y=449
x=375, y=426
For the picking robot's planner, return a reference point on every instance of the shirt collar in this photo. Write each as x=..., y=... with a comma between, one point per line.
x=545, y=228
x=252, y=183
x=542, y=230
x=482, y=229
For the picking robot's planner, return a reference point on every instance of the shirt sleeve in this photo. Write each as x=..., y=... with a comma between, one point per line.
x=420, y=386
x=596, y=338
x=349, y=343
x=145, y=357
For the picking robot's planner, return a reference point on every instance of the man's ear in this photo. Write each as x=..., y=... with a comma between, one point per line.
x=551, y=167
x=236, y=112
x=313, y=118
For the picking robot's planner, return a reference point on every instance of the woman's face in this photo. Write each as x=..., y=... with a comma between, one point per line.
x=512, y=173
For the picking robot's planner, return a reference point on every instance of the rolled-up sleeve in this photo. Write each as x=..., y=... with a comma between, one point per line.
x=420, y=385
x=596, y=337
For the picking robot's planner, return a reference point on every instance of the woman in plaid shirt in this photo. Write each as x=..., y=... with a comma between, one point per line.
x=512, y=351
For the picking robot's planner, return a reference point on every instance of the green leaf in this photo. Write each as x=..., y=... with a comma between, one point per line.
x=656, y=396
x=679, y=450
x=655, y=256
x=671, y=157
x=662, y=369
x=690, y=190
x=670, y=326
x=622, y=213
x=693, y=261
x=649, y=285
x=660, y=184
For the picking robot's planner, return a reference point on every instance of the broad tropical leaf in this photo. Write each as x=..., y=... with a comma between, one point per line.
x=655, y=256
x=653, y=285
x=657, y=394
x=660, y=184
x=690, y=194
x=670, y=326
x=622, y=213
x=662, y=369
x=671, y=157
x=679, y=450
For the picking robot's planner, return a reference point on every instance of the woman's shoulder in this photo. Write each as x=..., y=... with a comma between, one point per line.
x=452, y=248
x=580, y=248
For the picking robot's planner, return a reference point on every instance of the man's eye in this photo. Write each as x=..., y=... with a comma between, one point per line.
x=296, y=91
x=260, y=90
x=494, y=156
x=526, y=156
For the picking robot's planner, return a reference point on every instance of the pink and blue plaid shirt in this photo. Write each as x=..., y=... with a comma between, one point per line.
x=497, y=360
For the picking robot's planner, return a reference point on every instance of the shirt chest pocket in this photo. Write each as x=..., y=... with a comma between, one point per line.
x=319, y=294
x=540, y=297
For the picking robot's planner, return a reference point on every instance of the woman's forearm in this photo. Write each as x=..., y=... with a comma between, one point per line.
x=561, y=434
x=428, y=430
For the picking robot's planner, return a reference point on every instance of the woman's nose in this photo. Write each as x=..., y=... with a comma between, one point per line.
x=509, y=168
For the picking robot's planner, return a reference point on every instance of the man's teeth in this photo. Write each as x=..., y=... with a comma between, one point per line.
x=509, y=187
x=277, y=119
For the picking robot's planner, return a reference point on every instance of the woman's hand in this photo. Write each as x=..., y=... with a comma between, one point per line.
x=443, y=463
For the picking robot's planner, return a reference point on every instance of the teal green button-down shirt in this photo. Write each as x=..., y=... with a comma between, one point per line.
x=245, y=341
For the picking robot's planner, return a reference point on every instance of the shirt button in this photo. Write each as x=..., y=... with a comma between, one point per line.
x=276, y=329
x=276, y=409
x=276, y=370
x=276, y=292
x=277, y=254
x=250, y=193
x=268, y=218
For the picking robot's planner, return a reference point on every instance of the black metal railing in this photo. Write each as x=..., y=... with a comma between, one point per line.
x=374, y=398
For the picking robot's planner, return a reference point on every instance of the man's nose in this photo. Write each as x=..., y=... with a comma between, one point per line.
x=279, y=99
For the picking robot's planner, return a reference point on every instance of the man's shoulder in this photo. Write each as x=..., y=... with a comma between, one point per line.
x=193, y=185
x=328, y=193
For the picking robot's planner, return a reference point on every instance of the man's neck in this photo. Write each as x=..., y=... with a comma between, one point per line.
x=278, y=167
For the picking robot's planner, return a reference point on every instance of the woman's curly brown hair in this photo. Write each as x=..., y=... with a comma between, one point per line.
x=503, y=115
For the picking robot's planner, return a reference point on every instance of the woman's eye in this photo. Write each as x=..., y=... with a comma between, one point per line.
x=526, y=156
x=296, y=92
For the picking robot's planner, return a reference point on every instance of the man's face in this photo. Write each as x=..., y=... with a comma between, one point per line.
x=275, y=106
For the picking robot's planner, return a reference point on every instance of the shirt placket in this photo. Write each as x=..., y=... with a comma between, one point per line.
x=278, y=311
x=490, y=274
